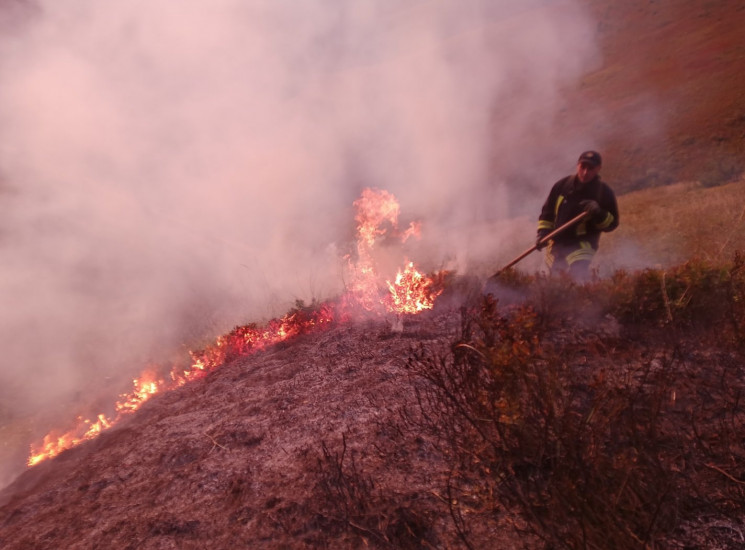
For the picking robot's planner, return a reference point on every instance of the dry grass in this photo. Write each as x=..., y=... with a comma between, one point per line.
x=671, y=224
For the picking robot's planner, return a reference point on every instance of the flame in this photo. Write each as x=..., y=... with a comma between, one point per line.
x=244, y=340
x=241, y=341
x=144, y=387
x=414, y=230
x=373, y=209
x=411, y=292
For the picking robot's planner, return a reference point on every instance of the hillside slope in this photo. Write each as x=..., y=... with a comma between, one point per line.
x=303, y=445
x=471, y=427
x=232, y=461
x=669, y=91
x=668, y=225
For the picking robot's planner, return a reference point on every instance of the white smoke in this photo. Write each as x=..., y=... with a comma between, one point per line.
x=170, y=166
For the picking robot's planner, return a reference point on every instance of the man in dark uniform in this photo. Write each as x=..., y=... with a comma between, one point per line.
x=572, y=250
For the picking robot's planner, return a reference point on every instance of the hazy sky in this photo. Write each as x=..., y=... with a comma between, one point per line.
x=174, y=166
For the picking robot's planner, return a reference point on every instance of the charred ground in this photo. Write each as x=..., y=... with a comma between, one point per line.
x=248, y=457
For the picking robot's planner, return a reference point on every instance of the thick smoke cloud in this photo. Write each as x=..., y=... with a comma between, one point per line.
x=170, y=167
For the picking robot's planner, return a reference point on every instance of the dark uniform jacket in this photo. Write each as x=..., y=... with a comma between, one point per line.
x=563, y=204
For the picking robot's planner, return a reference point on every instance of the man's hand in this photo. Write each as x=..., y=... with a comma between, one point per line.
x=541, y=235
x=594, y=209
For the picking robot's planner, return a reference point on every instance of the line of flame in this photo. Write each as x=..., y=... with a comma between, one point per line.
x=241, y=341
x=410, y=293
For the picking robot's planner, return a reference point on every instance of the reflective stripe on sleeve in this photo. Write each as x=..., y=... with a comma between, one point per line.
x=606, y=222
x=545, y=224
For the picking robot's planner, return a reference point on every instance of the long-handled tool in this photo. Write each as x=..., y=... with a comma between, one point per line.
x=544, y=240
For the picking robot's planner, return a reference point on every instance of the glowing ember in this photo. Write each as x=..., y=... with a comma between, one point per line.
x=411, y=292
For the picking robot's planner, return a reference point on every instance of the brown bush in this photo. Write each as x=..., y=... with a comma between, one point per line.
x=595, y=450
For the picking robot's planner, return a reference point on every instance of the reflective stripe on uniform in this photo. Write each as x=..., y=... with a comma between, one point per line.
x=606, y=222
x=558, y=203
x=550, y=258
x=545, y=224
x=585, y=253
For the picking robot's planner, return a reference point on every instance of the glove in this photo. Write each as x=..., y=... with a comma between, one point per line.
x=597, y=214
x=541, y=235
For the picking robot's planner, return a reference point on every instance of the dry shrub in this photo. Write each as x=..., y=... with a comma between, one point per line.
x=615, y=456
x=695, y=295
x=595, y=440
x=349, y=501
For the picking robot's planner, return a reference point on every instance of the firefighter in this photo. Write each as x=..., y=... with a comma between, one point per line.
x=573, y=249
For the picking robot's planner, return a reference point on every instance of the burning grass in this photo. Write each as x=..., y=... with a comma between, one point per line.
x=241, y=341
x=603, y=415
x=409, y=293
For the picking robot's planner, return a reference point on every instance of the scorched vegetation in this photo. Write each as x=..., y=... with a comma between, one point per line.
x=608, y=416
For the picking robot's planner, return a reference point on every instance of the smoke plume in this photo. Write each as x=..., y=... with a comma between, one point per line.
x=173, y=168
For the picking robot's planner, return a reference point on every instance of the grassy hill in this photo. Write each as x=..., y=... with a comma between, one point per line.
x=668, y=225
x=601, y=416
x=604, y=415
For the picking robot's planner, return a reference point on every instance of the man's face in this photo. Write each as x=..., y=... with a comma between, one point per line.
x=586, y=171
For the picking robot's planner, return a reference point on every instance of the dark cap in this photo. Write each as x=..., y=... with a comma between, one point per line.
x=590, y=157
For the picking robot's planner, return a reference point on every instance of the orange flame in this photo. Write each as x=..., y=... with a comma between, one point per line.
x=374, y=208
x=144, y=387
x=241, y=341
x=410, y=293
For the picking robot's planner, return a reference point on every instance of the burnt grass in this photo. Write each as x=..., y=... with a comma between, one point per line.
x=530, y=413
